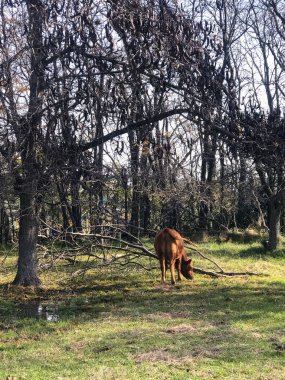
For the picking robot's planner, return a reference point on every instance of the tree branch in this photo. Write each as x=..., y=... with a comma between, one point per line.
x=131, y=127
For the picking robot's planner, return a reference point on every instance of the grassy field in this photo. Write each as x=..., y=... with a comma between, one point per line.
x=111, y=324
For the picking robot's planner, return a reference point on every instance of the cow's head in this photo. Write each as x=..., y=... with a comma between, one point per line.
x=187, y=269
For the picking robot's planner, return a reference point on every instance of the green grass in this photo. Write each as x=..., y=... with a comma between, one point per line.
x=112, y=324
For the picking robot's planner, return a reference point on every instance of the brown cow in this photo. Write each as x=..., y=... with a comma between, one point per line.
x=169, y=247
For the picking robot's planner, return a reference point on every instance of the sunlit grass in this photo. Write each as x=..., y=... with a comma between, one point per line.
x=122, y=324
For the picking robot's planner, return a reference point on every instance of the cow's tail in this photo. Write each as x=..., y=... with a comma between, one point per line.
x=175, y=237
x=190, y=242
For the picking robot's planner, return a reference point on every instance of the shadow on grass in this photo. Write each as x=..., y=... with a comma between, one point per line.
x=260, y=252
x=199, y=320
x=128, y=316
x=135, y=300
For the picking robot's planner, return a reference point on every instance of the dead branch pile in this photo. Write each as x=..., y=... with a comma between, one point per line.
x=114, y=247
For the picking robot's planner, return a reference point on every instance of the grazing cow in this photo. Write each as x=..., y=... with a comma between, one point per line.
x=169, y=247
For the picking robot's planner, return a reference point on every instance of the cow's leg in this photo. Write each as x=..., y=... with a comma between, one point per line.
x=163, y=270
x=179, y=269
x=172, y=270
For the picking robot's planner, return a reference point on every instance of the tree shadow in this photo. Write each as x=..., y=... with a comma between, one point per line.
x=133, y=300
x=261, y=252
x=158, y=324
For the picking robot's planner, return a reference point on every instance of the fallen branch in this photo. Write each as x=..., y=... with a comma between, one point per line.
x=227, y=274
x=203, y=255
x=124, y=254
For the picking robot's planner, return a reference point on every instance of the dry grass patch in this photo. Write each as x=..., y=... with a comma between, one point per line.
x=78, y=346
x=167, y=315
x=170, y=358
x=161, y=355
x=181, y=329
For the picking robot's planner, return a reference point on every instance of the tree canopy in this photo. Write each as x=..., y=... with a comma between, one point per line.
x=143, y=113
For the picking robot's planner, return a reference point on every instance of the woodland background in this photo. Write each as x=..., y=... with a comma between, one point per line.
x=140, y=114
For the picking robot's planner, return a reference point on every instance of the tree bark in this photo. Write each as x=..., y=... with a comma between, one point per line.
x=5, y=233
x=76, y=206
x=207, y=175
x=28, y=234
x=275, y=211
x=29, y=175
x=276, y=203
x=135, y=201
x=145, y=212
x=124, y=181
x=64, y=205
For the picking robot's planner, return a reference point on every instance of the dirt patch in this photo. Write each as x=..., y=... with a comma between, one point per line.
x=103, y=349
x=166, y=356
x=169, y=315
x=181, y=329
x=181, y=314
x=161, y=355
x=211, y=353
x=77, y=346
x=156, y=316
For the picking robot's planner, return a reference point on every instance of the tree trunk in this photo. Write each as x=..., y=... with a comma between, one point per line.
x=145, y=212
x=135, y=209
x=275, y=210
x=98, y=160
x=28, y=235
x=208, y=169
x=5, y=234
x=135, y=201
x=276, y=204
x=244, y=214
x=124, y=181
x=27, y=131
x=65, y=209
x=76, y=207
